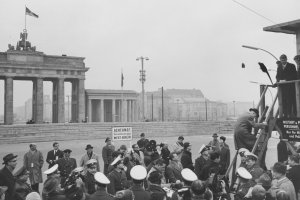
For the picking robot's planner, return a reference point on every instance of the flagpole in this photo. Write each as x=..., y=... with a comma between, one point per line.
x=122, y=83
x=25, y=31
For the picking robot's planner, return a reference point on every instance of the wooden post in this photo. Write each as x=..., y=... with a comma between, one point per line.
x=263, y=99
x=280, y=101
x=297, y=88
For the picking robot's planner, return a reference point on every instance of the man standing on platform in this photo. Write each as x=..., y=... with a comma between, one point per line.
x=243, y=138
x=6, y=175
x=107, y=151
x=287, y=72
x=54, y=155
x=33, y=161
x=88, y=156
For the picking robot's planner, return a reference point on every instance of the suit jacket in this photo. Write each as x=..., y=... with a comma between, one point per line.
x=7, y=179
x=66, y=166
x=118, y=181
x=173, y=172
x=101, y=194
x=50, y=156
x=288, y=73
x=107, y=153
x=140, y=193
x=186, y=160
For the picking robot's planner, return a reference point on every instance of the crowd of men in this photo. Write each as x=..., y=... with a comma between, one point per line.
x=148, y=170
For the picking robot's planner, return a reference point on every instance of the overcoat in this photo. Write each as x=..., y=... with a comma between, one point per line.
x=33, y=162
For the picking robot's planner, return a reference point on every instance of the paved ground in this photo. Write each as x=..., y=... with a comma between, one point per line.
x=78, y=147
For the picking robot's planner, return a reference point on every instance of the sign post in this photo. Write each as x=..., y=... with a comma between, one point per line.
x=121, y=133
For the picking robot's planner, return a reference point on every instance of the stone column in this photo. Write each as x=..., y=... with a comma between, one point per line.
x=8, y=101
x=113, y=112
x=90, y=110
x=58, y=100
x=37, y=101
x=102, y=110
x=124, y=110
x=81, y=103
x=129, y=111
x=74, y=100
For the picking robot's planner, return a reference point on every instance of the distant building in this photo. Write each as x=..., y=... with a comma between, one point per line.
x=183, y=105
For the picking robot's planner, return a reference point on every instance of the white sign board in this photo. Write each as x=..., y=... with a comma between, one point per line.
x=121, y=133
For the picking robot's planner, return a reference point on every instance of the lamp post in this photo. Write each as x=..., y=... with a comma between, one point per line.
x=234, y=108
x=256, y=48
x=143, y=79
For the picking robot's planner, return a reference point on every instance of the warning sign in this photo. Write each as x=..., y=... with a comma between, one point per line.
x=290, y=128
x=122, y=133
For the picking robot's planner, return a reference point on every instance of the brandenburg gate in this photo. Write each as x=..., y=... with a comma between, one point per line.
x=25, y=63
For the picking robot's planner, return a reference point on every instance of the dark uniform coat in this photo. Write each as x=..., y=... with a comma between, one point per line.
x=142, y=143
x=107, y=151
x=140, y=193
x=186, y=160
x=294, y=175
x=173, y=172
x=101, y=194
x=224, y=159
x=22, y=190
x=51, y=156
x=7, y=179
x=211, y=167
x=242, y=132
x=287, y=73
x=156, y=192
x=256, y=171
x=200, y=162
x=66, y=166
x=89, y=183
x=118, y=181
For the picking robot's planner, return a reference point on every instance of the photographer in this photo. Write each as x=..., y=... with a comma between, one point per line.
x=89, y=180
x=242, y=184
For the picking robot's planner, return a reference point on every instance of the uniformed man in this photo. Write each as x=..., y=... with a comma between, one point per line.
x=107, y=152
x=117, y=177
x=202, y=160
x=89, y=180
x=242, y=184
x=243, y=152
x=138, y=174
x=215, y=144
x=66, y=165
x=101, y=182
x=188, y=177
x=52, y=173
x=255, y=170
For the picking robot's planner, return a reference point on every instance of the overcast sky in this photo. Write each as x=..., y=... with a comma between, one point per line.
x=190, y=43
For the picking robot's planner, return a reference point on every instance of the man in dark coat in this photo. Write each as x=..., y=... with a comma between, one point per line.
x=243, y=128
x=213, y=167
x=186, y=158
x=202, y=160
x=107, y=151
x=173, y=170
x=101, y=181
x=54, y=155
x=293, y=173
x=117, y=177
x=287, y=72
x=6, y=175
x=138, y=174
x=143, y=142
x=66, y=165
x=155, y=187
x=225, y=157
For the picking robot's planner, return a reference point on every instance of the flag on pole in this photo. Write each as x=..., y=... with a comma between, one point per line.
x=122, y=79
x=29, y=12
